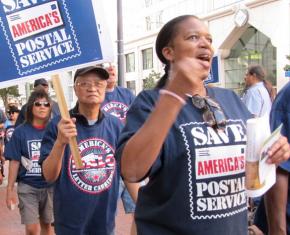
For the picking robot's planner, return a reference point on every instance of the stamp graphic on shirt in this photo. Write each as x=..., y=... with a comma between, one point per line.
x=216, y=166
x=34, y=153
x=99, y=166
x=116, y=109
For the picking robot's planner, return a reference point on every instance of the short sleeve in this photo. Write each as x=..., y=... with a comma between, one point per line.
x=48, y=139
x=13, y=148
x=136, y=116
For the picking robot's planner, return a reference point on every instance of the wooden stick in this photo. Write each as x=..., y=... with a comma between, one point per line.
x=65, y=114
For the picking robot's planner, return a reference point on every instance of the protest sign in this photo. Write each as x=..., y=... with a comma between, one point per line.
x=43, y=37
x=213, y=76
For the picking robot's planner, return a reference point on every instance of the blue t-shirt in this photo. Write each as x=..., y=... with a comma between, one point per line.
x=86, y=199
x=197, y=184
x=117, y=102
x=26, y=142
x=280, y=113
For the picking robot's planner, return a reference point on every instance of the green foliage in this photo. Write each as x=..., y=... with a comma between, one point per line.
x=150, y=81
x=287, y=66
x=5, y=93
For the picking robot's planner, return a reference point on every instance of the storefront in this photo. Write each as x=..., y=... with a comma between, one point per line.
x=253, y=33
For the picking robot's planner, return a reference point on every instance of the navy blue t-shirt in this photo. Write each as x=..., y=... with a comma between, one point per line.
x=85, y=200
x=117, y=102
x=197, y=184
x=26, y=142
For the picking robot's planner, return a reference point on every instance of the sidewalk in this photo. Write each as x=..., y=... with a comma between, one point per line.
x=10, y=220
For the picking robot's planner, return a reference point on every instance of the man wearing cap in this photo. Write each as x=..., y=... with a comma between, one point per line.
x=85, y=200
x=9, y=125
x=117, y=102
x=40, y=83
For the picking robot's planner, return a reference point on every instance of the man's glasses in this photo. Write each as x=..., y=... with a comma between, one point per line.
x=89, y=84
x=212, y=113
x=10, y=112
x=41, y=103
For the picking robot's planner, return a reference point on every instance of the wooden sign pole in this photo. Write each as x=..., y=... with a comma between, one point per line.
x=65, y=114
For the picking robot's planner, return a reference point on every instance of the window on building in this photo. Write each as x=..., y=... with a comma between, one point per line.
x=253, y=47
x=130, y=62
x=148, y=23
x=148, y=3
x=132, y=86
x=147, y=58
x=159, y=21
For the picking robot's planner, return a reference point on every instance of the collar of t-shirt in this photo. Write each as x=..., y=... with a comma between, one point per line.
x=39, y=127
x=82, y=119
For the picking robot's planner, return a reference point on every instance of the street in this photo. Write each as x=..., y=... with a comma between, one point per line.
x=10, y=220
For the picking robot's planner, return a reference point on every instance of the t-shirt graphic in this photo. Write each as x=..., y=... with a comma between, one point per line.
x=117, y=102
x=117, y=109
x=8, y=132
x=33, y=147
x=99, y=166
x=216, y=165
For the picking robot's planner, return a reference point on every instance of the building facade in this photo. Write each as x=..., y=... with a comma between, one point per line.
x=244, y=32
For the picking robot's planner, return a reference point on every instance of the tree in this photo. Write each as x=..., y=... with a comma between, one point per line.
x=5, y=93
x=150, y=81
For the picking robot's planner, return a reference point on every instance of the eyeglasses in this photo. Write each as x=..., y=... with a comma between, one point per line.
x=89, y=84
x=212, y=113
x=10, y=112
x=41, y=103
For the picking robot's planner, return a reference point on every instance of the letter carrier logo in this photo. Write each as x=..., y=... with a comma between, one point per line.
x=116, y=109
x=99, y=166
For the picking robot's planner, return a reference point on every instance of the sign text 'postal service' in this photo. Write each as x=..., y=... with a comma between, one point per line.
x=41, y=36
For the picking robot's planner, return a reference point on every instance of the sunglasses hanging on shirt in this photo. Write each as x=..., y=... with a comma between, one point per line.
x=212, y=113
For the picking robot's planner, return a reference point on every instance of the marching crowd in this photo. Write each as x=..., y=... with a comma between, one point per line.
x=184, y=139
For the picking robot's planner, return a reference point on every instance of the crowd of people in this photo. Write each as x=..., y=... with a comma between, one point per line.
x=185, y=139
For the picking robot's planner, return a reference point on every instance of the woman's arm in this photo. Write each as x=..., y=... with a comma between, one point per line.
x=12, y=176
x=276, y=203
x=142, y=149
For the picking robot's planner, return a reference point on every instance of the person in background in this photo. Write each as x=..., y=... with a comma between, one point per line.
x=40, y=83
x=1, y=172
x=259, y=92
x=277, y=199
x=9, y=125
x=85, y=200
x=184, y=137
x=23, y=151
x=117, y=102
x=2, y=136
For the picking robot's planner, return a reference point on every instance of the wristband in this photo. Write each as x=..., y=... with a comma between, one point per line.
x=172, y=94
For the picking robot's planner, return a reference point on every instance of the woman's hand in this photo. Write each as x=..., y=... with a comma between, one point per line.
x=279, y=151
x=11, y=199
x=186, y=76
